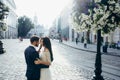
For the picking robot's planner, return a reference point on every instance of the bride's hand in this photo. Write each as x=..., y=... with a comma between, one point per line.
x=39, y=51
x=38, y=61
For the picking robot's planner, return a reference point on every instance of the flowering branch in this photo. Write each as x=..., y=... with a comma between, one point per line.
x=106, y=17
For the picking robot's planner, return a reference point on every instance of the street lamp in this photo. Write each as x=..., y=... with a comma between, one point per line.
x=3, y=27
x=98, y=63
x=111, y=22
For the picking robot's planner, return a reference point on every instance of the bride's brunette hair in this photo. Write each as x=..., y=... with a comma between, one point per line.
x=47, y=44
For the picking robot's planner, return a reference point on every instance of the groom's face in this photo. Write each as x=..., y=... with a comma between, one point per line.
x=37, y=43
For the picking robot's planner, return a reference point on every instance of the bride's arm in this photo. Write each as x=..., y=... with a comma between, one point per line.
x=38, y=61
x=48, y=62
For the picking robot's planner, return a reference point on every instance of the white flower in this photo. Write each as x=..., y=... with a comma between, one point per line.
x=111, y=2
x=97, y=1
x=88, y=22
x=84, y=16
x=112, y=25
x=95, y=9
x=111, y=8
x=108, y=24
x=89, y=10
x=99, y=27
x=83, y=25
x=3, y=27
x=105, y=7
x=113, y=18
x=117, y=4
x=117, y=8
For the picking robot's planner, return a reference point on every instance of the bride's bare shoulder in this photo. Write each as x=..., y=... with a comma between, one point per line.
x=46, y=50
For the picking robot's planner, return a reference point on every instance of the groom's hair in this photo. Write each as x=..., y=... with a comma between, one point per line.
x=34, y=38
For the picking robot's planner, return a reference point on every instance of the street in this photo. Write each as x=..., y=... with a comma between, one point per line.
x=68, y=64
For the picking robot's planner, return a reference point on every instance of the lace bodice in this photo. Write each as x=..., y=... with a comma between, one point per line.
x=45, y=56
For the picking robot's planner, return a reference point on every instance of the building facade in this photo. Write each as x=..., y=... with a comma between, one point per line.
x=11, y=20
x=113, y=37
x=63, y=24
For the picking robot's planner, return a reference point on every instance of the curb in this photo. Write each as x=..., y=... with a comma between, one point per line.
x=109, y=53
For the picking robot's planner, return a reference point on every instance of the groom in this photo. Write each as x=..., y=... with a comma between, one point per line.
x=33, y=70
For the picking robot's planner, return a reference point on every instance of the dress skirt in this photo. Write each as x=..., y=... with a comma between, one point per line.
x=45, y=74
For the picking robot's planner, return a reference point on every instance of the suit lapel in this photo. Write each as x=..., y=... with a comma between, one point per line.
x=32, y=47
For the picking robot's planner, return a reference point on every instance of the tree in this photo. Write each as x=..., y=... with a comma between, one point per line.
x=80, y=7
x=104, y=17
x=4, y=10
x=24, y=26
x=3, y=14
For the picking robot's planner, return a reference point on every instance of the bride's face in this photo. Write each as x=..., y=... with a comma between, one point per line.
x=41, y=41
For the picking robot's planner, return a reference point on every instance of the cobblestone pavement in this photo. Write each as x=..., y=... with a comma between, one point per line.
x=68, y=64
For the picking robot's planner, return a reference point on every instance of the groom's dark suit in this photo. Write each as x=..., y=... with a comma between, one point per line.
x=33, y=70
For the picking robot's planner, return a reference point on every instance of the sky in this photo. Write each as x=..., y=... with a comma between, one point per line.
x=45, y=10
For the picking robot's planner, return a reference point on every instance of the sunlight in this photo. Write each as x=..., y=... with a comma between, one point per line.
x=45, y=10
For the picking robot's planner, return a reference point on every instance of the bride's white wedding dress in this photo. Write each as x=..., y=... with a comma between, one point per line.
x=45, y=72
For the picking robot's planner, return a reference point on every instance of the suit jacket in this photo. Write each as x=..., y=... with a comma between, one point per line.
x=33, y=70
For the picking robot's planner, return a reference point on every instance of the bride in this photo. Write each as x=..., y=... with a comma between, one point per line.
x=46, y=57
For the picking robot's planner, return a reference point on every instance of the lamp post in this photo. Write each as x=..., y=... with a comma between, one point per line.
x=3, y=14
x=98, y=63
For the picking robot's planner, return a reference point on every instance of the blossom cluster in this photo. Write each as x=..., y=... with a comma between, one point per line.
x=105, y=17
x=3, y=26
x=3, y=13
